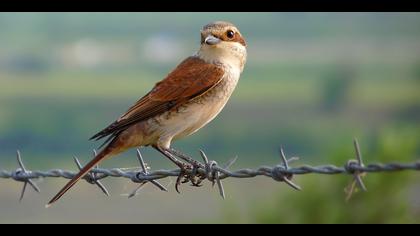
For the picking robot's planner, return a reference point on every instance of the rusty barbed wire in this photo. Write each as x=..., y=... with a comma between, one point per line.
x=211, y=171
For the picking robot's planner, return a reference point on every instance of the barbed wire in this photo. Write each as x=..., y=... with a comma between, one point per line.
x=211, y=171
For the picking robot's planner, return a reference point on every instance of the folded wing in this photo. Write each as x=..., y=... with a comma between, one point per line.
x=192, y=78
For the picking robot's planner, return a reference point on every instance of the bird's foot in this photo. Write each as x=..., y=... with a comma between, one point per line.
x=189, y=173
x=195, y=177
x=188, y=169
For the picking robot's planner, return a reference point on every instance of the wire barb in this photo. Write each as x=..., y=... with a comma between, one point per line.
x=21, y=175
x=213, y=174
x=91, y=177
x=144, y=172
x=352, y=166
x=279, y=174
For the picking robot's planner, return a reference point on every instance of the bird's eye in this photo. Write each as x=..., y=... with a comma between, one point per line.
x=230, y=34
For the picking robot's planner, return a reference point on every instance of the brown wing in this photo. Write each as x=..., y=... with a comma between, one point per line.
x=192, y=78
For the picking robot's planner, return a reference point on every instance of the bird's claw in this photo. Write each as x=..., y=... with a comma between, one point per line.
x=189, y=173
x=183, y=175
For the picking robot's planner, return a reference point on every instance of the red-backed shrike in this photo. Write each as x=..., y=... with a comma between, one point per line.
x=186, y=100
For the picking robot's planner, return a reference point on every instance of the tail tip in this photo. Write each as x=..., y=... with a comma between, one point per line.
x=49, y=204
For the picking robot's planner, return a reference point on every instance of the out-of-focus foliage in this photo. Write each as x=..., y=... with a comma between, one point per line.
x=313, y=81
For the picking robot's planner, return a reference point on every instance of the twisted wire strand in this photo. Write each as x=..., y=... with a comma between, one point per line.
x=242, y=173
x=210, y=170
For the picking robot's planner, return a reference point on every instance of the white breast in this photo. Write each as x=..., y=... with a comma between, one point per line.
x=197, y=113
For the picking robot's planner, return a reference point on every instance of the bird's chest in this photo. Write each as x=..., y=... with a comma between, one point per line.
x=193, y=115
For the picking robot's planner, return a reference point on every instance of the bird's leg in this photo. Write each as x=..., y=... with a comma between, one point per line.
x=183, y=166
x=186, y=158
x=169, y=155
x=195, y=166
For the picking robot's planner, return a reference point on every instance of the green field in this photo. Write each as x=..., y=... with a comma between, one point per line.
x=312, y=83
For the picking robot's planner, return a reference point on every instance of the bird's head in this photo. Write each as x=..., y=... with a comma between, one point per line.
x=222, y=42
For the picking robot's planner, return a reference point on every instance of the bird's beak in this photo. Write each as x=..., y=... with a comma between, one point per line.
x=211, y=40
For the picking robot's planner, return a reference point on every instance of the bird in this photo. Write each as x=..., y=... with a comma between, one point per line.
x=186, y=100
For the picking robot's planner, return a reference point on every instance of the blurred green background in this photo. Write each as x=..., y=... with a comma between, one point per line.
x=313, y=81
